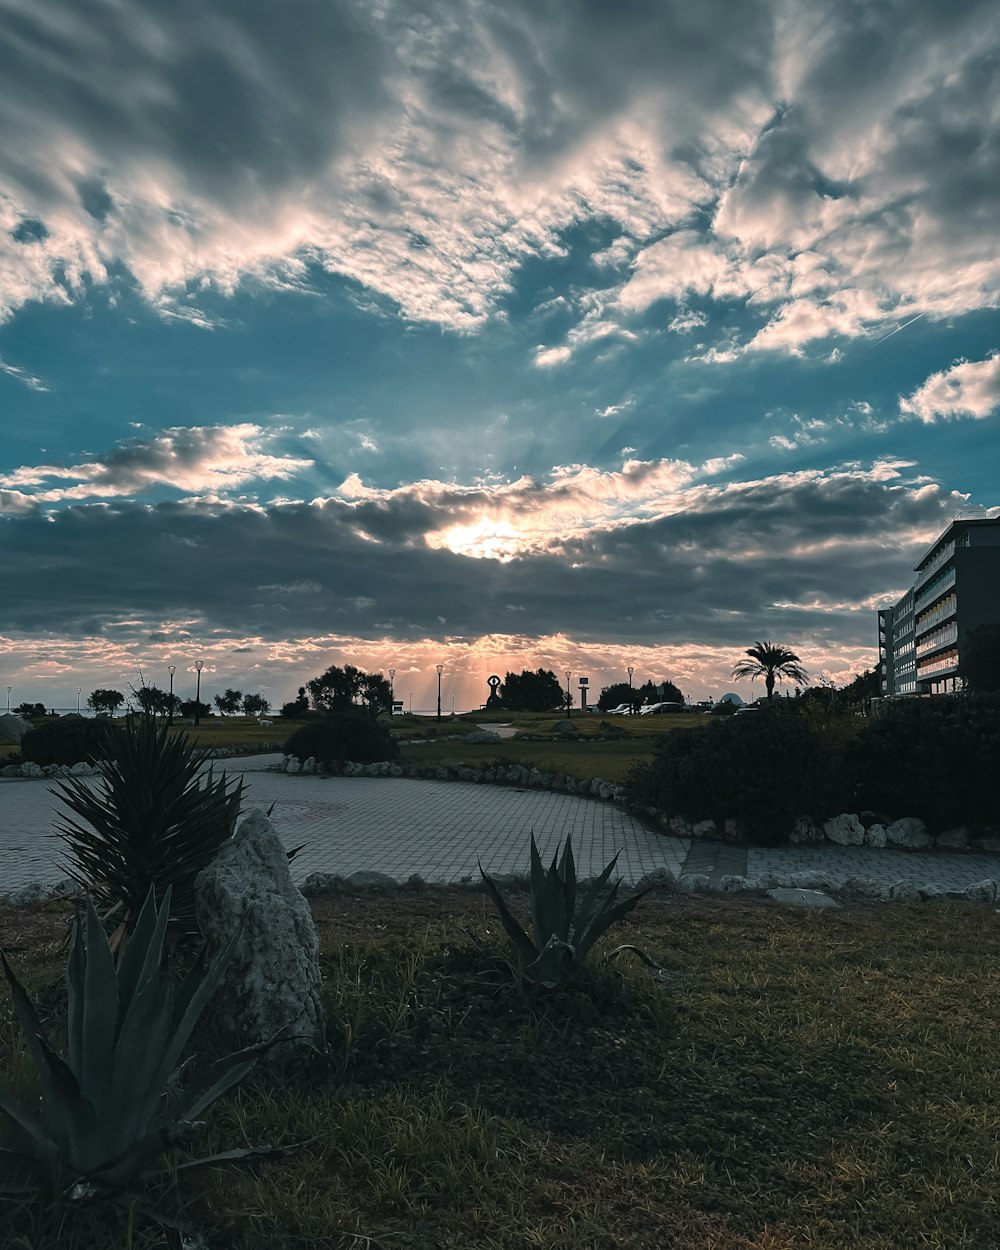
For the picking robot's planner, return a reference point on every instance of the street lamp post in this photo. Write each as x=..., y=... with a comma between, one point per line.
x=631, y=708
x=9, y=689
x=199, y=665
x=171, y=669
x=569, y=697
x=79, y=692
x=411, y=702
x=392, y=691
x=440, y=670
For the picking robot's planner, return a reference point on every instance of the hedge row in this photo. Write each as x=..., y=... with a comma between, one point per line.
x=933, y=758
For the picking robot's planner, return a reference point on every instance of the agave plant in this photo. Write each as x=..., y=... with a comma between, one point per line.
x=154, y=820
x=563, y=935
x=127, y=1029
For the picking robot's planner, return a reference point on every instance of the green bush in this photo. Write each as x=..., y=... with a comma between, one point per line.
x=154, y=818
x=933, y=758
x=763, y=768
x=68, y=740
x=346, y=736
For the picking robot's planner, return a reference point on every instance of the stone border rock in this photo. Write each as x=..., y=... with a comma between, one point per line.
x=852, y=890
x=509, y=774
x=855, y=889
x=83, y=769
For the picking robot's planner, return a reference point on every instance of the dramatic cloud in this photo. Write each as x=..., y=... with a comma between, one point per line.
x=396, y=326
x=970, y=388
x=194, y=459
x=700, y=564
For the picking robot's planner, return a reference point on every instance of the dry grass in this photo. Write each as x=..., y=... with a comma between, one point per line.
x=824, y=1080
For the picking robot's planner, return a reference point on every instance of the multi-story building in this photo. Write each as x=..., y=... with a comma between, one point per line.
x=957, y=588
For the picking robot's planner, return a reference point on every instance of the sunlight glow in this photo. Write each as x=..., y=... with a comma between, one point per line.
x=486, y=539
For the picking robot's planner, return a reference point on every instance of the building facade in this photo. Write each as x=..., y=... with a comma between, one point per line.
x=957, y=587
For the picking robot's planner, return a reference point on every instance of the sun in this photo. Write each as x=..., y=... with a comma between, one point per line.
x=486, y=539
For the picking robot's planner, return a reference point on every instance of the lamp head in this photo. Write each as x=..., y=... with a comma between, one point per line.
x=199, y=665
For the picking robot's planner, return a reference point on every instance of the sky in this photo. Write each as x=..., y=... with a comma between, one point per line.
x=549, y=333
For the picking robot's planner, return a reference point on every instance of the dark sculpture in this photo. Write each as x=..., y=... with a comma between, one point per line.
x=494, y=701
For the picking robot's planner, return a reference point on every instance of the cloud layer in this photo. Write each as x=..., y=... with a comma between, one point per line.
x=834, y=170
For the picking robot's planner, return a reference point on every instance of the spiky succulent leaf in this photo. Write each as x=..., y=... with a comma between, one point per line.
x=554, y=967
x=610, y=914
x=569, y=879
x=212, y=1083
x=154, y=819
x=561, y=940
x=590, y=901
x=28, y=1124
x=195, y=997
x=548, y=899
x=39, y=1050
x=102, y=1142
x=99, y=1011
x=526, y=949
x=133, y=964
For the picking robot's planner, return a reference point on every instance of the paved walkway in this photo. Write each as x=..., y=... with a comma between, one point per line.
x=438, y=829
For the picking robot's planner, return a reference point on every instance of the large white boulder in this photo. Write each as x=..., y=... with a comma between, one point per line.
x=272, y=982
x=910, y=832
x=845, y=829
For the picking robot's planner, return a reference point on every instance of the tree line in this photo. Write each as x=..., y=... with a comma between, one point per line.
x=345, y=688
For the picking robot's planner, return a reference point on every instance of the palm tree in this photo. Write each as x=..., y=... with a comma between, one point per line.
x=770, y=660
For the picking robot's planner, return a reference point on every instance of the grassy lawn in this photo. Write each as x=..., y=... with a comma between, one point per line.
x=628, y=739
x=632, y=739
x=797, y=1079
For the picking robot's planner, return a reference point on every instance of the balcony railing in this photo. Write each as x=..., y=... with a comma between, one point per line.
x=940, y=638
x=934, y=588
x=940, y=613
x=940, y=665
x=943, y=556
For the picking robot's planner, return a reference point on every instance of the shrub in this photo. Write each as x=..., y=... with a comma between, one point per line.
x=347, y=736
x=563, y=932
x=68, y=740
x=933, y=758
x=153, y=819
x=126, y=1029
x=764, y=768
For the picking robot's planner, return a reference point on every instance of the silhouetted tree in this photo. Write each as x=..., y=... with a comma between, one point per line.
x=191, y=707
x=105, y=701
x=772, y=661
x=538, y=691
x=255, y=705
x=614, y=696
x=297, y=706
x=152, y=700
x=29, y=710
x=650, y=692
x=340, y=689
x=229, y=701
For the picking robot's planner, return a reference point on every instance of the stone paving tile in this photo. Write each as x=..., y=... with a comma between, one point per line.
x=396, y=826
x=952, y=870
x=437, y=829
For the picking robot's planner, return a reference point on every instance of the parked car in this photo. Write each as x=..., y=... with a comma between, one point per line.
x=660, y=709
x=622, y=709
